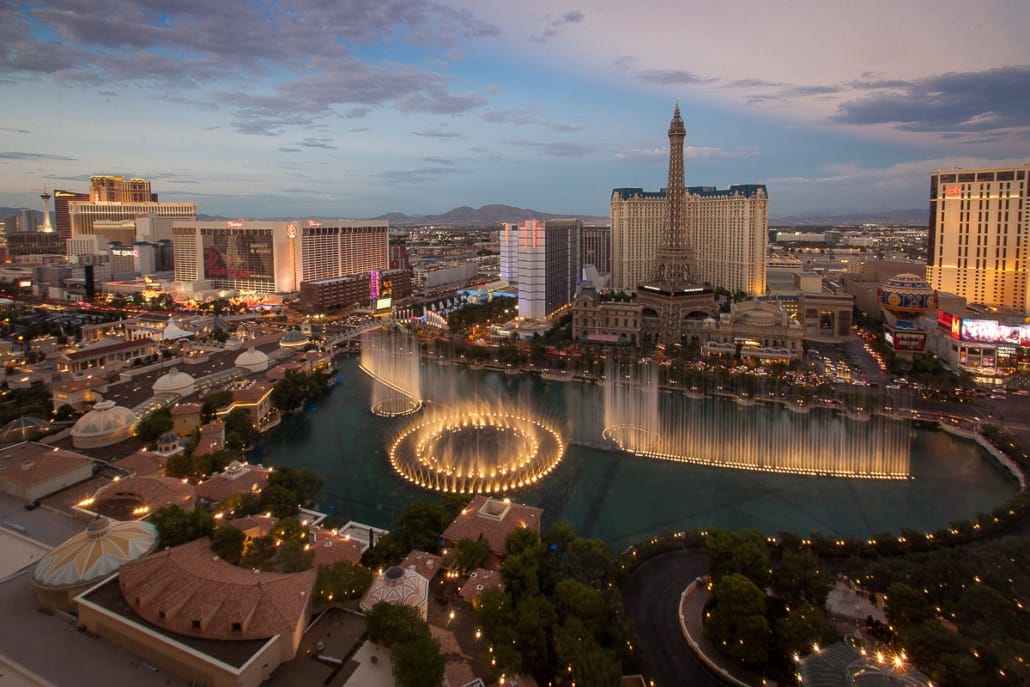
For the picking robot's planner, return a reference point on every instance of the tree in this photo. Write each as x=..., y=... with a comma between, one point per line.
x=342, y=580
x=534, y=619
x=418, y=663
x=573, y=598
x=227, y=542
x=239, y=427
x=907, y=605
x=742, y=551
x=294, y=556
x=393, y=624
x=469, y=554
x=582, y=659
x=279, y=501
x=154, y=425
x=177, y=526
x=212, y=402
x=799, y=578
x=737, y=621
x=302, y=482
x=801, y=627
x=259, y=553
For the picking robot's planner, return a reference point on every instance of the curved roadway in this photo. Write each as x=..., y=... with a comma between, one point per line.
x=652, y=600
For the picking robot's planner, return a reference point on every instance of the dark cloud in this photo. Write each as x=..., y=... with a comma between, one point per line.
x=289, y=150
x=325, y=143
x=518, y=117
x=438, y=161
x=568, y=128
x=438, y=133
x=306, y=46
x=554, y=148
x=671, y=77
x=15, y=131
x=968, y=102
x=32, y=156
x=417, y=176
x=572, y=17
x=358, y=130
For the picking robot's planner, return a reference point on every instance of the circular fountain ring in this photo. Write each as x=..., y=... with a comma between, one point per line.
x=477, y=452
x=631, y=438
x=396, y=407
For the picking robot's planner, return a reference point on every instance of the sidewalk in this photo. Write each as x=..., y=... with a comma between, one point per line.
x=691, y=610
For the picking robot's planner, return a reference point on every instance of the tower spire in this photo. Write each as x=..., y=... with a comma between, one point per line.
x=675, y=259
x=45, y=197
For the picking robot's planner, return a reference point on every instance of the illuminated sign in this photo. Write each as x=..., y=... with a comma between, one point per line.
x=889, y=338
x=908, y=341
x=234, y=224
x=291, y=231
x=373, y=285
x=124, y=252
x=25, y=283
x=313, y=223
x=952, y=191
x=949, y=323
x=992, y=331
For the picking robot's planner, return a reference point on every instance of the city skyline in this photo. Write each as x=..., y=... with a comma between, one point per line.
x=419, y=107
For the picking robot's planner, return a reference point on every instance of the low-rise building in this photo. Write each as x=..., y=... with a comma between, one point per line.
x=31, y=470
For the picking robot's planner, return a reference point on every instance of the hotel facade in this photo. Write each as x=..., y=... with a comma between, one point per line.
x=979, y=235
x=728, y=228
x=261, y=256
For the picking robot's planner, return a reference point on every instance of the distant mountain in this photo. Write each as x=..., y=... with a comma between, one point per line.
x=912, y=217
x=487, y=215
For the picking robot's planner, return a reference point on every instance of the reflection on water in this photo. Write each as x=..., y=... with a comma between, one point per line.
x=619, y=497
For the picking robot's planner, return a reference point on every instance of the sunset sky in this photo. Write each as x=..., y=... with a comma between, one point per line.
x=354, y=108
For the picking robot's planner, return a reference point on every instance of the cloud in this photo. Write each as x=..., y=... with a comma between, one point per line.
x=568, y=128
x=33, y=156
x=956, y=102
x=325, y=143
x=438, y=160
x=572, y=17
x=289, y=150
x=438, y=133
x=667, y=77
x=15, y=131
x=304, y=48
x=514, y=116
x=689, y=152
x=554, y=148
x=417, y=176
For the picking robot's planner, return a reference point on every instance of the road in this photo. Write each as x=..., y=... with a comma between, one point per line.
x=652, y=600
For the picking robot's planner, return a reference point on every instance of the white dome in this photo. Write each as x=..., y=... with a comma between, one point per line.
x=175, y=382
x=94, y=553
x=253, y=360
x=106, y=424
x=173, y=331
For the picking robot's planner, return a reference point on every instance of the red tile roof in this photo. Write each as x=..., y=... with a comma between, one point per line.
x=30, y=463
x=190, y=591
x=492, y=520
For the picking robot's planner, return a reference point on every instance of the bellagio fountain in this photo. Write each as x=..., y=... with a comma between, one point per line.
x=472, y=445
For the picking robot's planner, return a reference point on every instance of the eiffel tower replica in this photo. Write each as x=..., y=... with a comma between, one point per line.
x=674, y=297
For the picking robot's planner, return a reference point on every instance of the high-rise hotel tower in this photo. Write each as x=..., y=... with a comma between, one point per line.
x=727, y=230
x=979, y=237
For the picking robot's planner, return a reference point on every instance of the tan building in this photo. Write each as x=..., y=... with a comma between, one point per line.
x=604, y=322
x=237, y=478
x=30, y=470
x=110, y=356
x=256, y=399
x=491, y=520
x=185, y=418
x=191, y=613
x=825, y=316
x=979, y=236
x=729, y=229
x=756, y=330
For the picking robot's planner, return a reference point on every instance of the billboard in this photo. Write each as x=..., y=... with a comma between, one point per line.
x=992, y=331
x=949, y=323
x=233, y=253
x=909, y=341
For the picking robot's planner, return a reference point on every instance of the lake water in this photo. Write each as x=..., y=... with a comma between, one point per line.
x=621, y=498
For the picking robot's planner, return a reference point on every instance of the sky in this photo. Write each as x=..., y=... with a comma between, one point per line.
x=356, y=108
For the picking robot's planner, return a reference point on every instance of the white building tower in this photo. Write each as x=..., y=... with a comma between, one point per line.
x=47, y=228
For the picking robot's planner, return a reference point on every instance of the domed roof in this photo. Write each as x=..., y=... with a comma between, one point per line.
x=24, y=428
x=174, y=331
x=174, y=382
x=907, y=281
x=95, y=553
x=168, y=438
x=106, y=419
x=293, y=338
x=251, y=356
x=906, y=296
x=397, y=586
